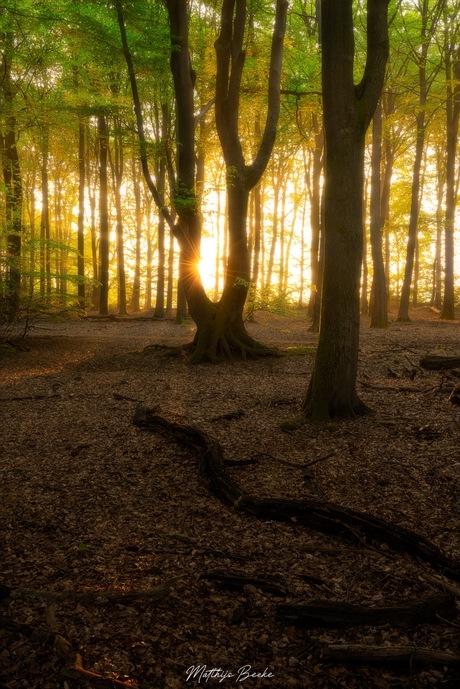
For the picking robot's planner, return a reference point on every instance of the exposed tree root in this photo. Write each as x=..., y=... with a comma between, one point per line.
x=411, y=657
x=339, y=614
x=325, y=517
x=214, y=344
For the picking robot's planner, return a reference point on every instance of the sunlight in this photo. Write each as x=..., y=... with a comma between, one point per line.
x=207, y=269
x=207, y=264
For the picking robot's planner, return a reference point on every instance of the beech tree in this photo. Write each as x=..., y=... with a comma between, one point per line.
x=220, y=327
x=348, y=110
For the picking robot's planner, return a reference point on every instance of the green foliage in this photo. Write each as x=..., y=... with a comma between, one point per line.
x=269, y=299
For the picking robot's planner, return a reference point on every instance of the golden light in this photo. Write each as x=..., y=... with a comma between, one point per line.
x=207, y=269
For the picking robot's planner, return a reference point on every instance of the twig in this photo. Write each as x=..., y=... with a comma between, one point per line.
x=28, y=397
x=73, y=662
x=296, y=465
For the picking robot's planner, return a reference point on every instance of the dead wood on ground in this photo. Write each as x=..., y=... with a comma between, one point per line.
x=340, y=614
x=322, y=516
x=409, y=656
x=434, y=362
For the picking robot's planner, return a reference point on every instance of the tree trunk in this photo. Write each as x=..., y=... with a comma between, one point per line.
x=13, y=199
x=103, y=217
x=81, y=213
x=13, y=187
x=315, y=216
x=436, y=293
x=379, y=315
x=452, y=120
x=45, y=255
x=117, y=177
x=348, y=109
x=403, y=313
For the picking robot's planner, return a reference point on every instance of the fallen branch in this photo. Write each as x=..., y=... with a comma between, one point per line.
x=410, y=656
x=73, y=663
x=120, y=597
x=340, y=615
x=326, y=517
x=433, y=362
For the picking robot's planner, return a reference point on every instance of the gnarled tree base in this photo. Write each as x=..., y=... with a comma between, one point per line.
x=216, y=341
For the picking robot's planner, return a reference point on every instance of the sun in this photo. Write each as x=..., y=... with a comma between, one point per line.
x=207, y=269
x=207, y=263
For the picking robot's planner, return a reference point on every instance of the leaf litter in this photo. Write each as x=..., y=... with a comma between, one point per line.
x=91, y=503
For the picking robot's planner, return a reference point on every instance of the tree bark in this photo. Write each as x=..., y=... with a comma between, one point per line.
x=421, y=124
x=81, y=211
x=13, y=189
x=379, y=314
x=103, y=217
x=117, y=176
x=348, y=110
x=452, y=121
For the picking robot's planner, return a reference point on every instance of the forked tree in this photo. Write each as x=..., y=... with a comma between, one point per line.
x=348, y=109
x=220, y=326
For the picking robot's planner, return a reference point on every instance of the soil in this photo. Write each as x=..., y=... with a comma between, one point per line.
x=91, y=503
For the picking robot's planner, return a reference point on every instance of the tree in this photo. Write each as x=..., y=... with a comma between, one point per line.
x=220, y=326
x=452, y=69
x=429, y=17
x=10, y=291
x=379, y=316
x=348, y=110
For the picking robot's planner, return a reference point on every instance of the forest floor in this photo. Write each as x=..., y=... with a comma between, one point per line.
x=90, y=503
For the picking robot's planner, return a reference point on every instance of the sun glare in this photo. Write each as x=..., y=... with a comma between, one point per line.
x=207, y=269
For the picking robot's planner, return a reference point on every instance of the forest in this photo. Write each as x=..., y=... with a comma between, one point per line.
x=229, y=345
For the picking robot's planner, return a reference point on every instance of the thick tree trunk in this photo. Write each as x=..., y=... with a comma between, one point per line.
x=13, y=211
x=332, y=390
x=220, y=327
x=13, y=186
x=348, y=110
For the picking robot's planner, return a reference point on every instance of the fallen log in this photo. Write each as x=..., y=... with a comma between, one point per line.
x=340, y=615
x=410, y=656
x=325, y=517
x=434, y=362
